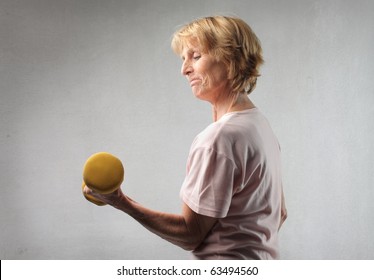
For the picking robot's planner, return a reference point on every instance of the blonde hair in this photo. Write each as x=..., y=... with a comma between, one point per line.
x=231, y=41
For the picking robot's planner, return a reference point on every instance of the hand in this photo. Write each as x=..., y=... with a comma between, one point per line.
x=114, y=199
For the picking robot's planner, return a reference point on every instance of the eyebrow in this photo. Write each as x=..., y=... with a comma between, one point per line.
x=192, y=51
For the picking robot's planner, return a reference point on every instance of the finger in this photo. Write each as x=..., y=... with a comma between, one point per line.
x=91, y=196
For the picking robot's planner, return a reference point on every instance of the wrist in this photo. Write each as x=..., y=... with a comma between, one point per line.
x=122, y=203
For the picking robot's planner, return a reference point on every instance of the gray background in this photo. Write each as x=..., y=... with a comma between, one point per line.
x=82, y=76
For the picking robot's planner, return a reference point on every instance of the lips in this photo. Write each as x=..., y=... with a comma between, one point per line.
x=194, y=81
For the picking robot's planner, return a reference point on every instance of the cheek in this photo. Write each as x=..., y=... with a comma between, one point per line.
x=212, y=74
x=217, y=76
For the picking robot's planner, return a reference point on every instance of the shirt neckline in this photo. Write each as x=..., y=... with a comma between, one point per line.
x=240, y=112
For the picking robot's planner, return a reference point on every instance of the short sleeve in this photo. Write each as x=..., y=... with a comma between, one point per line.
x=208, y=185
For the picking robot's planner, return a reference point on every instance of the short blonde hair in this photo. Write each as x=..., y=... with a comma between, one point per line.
x=231, y=41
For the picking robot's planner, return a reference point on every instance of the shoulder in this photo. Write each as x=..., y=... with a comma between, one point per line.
x=219, y=138
x=232, y=127
x=236, y=132
x=213, y=135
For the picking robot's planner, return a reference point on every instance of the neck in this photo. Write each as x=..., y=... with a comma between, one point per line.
x=238, y=102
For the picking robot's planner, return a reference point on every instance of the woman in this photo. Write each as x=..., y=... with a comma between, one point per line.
x=232, y=194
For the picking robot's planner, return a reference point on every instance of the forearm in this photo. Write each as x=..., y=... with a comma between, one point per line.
x=170, y=227
x=186, y=230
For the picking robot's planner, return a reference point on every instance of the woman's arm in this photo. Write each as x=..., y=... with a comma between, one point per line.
x=186, y=230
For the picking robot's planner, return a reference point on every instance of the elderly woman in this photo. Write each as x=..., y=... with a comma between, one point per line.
x=232, y=194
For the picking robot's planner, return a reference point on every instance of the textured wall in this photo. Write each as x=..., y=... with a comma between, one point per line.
x=82, y=76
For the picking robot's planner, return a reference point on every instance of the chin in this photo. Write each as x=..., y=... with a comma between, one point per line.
x=200, y=97
x=199, y=94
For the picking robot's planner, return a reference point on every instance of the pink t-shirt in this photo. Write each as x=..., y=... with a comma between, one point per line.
x=234, y=174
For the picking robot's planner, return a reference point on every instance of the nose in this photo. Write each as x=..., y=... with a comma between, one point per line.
x=186, y=68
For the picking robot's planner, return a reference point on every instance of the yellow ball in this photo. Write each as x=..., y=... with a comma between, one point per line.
x=103, y=173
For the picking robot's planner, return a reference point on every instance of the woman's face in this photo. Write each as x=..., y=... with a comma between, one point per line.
x=206, y=75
